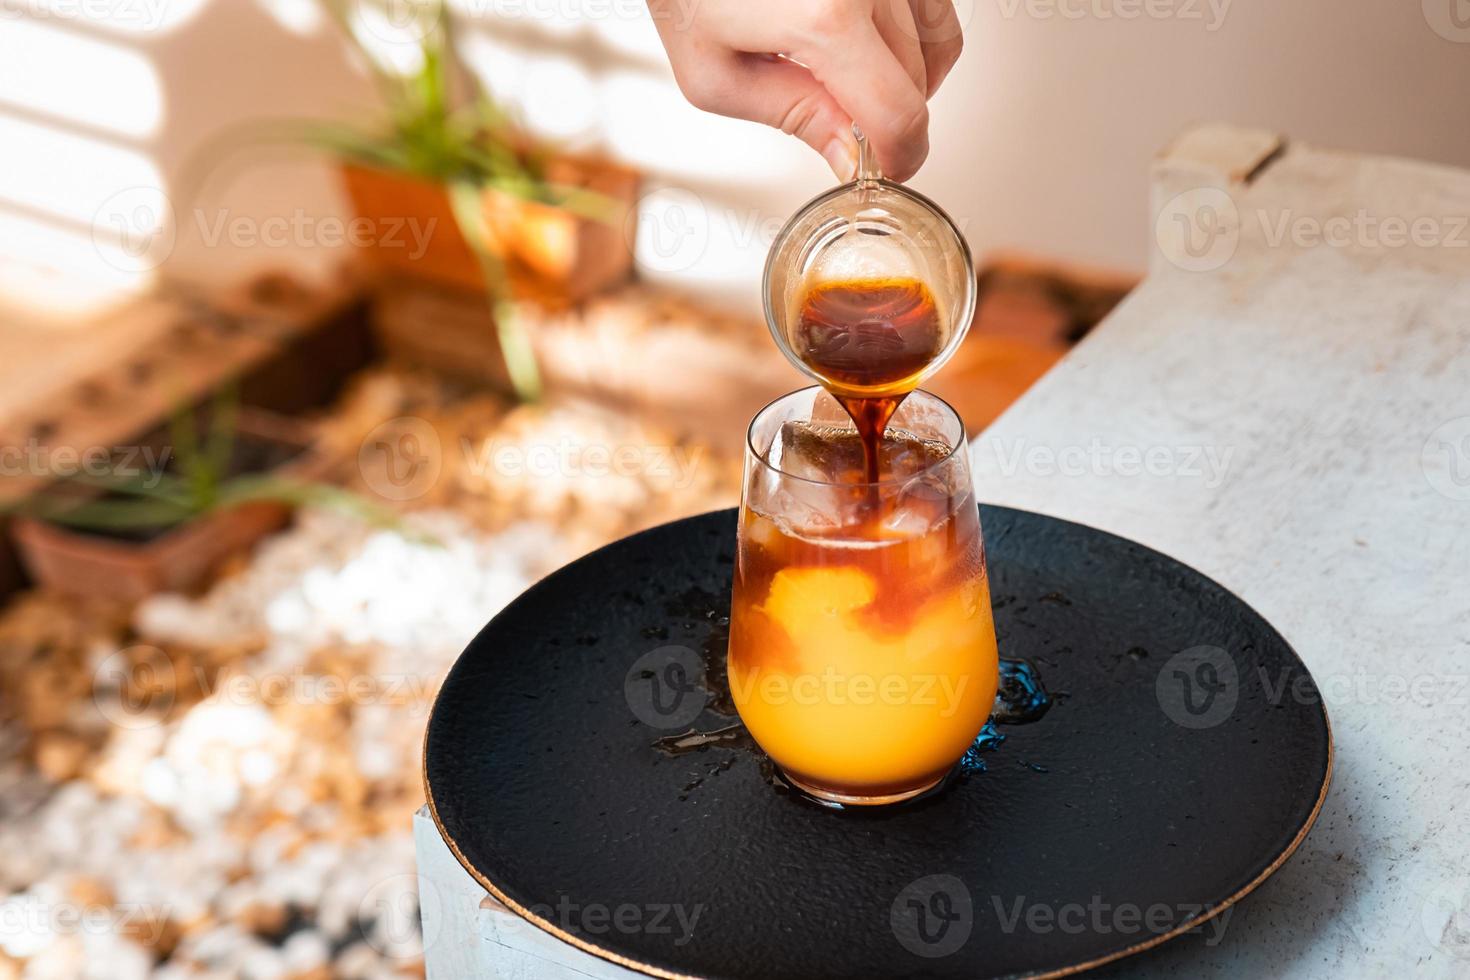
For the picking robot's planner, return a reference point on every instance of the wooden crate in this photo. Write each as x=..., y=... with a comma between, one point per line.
x=289, y=348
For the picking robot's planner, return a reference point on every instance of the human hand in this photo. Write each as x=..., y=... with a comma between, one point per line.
x=813, y=67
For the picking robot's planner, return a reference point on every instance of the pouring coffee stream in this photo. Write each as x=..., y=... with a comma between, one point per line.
x=876, y=336
x=869, y=289
x=859, y=553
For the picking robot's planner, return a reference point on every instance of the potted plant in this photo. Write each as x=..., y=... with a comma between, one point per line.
x=219, y=479
x=495, y=211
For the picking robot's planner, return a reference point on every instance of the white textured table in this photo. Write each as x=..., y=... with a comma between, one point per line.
x=1304, y=400
x=1285, y=405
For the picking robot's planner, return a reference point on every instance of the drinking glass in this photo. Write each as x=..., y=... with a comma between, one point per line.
x=862, y=651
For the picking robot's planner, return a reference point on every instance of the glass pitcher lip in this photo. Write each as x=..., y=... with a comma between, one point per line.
x=967, y=315
x=961, y=443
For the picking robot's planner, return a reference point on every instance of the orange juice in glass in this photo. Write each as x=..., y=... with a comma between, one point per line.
x=862, y=648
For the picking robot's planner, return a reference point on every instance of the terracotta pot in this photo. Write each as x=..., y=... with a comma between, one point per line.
x=550, y=254
x=72, y=561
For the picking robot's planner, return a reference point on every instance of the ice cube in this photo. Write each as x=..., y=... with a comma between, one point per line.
x=821, y=453
x=904, y=454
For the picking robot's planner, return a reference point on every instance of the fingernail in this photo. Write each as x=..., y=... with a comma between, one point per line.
x=841, y=156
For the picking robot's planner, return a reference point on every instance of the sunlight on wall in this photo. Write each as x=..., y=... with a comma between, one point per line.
x=57, y=73
x=553, y=95
x=623, y=26
x=69, y=176
x=649, y=123
x=714, y=186
x=561, y=96
x=62, y=274
x=498, y=65
x=87, y=219
x=636, y=112
x=301, y=17
x=393, y=46
x=633, y=36
x=560, y=18
x=110, y=222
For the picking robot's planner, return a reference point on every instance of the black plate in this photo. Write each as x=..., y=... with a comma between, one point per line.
x=1185, y=757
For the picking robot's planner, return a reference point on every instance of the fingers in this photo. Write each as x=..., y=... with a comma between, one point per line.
x=787, y=96
x=895, y=23
x=848, y=60
x=871, y=85
x=782, y=94
x=940, y=37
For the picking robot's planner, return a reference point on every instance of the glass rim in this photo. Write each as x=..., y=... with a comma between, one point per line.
x=760, y=457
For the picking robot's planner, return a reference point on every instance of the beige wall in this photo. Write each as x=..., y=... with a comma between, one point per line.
x=1041, y=137
x=1044, y=133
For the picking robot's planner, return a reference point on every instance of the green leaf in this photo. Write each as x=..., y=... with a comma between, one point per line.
x=220, y=442
x=515, y=344
x=116, y=515
x=155, y=486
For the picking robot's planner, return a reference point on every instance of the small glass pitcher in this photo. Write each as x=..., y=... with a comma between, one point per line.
x=869, y=230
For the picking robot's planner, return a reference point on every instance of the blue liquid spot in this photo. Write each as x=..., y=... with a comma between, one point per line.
x=987, y=741
x=1020, y=700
